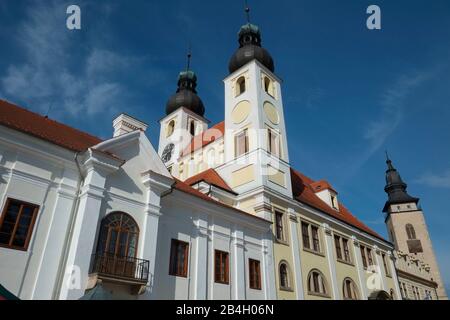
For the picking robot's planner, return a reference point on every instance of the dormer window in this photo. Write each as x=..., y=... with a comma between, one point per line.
x=334, y=202
x=326, y=193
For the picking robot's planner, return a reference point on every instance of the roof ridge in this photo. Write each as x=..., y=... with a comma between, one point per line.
x=49, y=119
x=32, y=123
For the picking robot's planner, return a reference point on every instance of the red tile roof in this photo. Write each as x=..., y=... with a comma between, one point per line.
x=209, y=176
x=184, y=187
x=321, y=185
x=203, y=139
x=20, y=119
x=303, y=191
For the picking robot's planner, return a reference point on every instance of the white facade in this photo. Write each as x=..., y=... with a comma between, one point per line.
x=75, y=191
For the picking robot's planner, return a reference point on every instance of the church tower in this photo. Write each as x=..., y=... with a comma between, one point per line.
x=184, y=119
x=406, y=225
x=256, y=148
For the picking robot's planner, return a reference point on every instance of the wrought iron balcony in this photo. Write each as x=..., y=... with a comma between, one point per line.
x=117, y=268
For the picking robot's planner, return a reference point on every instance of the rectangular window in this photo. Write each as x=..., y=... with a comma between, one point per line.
x=179, y=256
x=241, y=143
x=369, y=256
x=337, y=243
x=279, y=232
x=221, y=267
x=305, y=235
x=363, y=256
x=16, y=224
x=315, y=237
x=254, y=274
x=273, y=142
x=386, y=268
x=346, y=250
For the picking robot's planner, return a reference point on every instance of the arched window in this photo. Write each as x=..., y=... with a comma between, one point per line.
x=317, y=283
x=170, y=128
x=284, y=275
x=119, y=235
x=350, y=290
x=269, y=87
x=192, y=128
x=411, y=233
x=240, y=86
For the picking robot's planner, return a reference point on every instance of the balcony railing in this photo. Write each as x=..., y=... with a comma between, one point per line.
x=120, y=268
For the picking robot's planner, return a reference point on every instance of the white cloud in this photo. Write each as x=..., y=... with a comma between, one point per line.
x=48, y=75
x=435, y=180
x=392, y=102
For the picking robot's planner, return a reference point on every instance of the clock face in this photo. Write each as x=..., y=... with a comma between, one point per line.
x=167, y=153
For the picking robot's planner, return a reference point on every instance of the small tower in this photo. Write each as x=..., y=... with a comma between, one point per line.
x=406, y=224
x=184, y=119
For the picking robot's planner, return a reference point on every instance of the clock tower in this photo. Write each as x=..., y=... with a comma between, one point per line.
x=184, y=119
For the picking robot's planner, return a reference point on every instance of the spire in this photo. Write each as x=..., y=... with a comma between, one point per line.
x=189, y=56
x=250, y=48
x=247, y=12
x=186, y=94
x=395, y=187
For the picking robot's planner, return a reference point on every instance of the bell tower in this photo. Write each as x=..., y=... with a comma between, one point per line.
x=184, y=119
x=256, y=149
x=406, y=224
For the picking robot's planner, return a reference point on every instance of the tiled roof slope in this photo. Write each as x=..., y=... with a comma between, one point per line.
x=303, y=192
x=209, y=176
x=203, y=139
x=20, y=119
x=184, y=187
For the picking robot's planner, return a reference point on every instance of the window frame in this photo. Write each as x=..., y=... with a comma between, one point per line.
x=286, y=287
x=346, y=249
x=226, y=272
x=354, y=293
x=184, y=273
x=338, y=247
x=273, y=135
x=280, y=228
x=315, y=240
x=268, y=85
x=319, y=281
x=306, y=240
x=387, y=270
x=244, y=133
x=363, y=256
x=254, y=274
x=410, y=232
x=238, y=89
x=31, y=225
x=170, y=128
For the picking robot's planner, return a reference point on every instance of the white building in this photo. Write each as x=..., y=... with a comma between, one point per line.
x=76, y=209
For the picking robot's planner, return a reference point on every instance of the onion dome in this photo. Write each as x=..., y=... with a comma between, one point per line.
x=186, y=95
x=250, y=49
x=396, y=188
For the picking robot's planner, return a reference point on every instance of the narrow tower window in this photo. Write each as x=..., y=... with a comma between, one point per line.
x=192, y=128
x=170, y=128
x=268, y=87
x=240, y=86
x=410, y=231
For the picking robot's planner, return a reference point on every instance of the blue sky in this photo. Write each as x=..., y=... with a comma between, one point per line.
x=349, y=93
